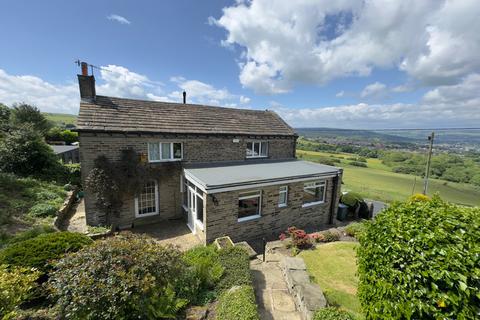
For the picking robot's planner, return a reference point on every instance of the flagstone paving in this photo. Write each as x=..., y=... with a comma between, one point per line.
x=271, y=292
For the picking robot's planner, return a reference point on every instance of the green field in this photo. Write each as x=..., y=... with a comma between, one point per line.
x=378, y=182
x=61, y=119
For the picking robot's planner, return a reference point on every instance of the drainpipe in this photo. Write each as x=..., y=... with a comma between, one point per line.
x=334, y=199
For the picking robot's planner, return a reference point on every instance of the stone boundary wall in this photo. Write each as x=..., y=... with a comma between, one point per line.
x=64, y=212
x=308, y=296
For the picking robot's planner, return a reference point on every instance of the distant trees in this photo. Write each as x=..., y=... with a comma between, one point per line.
x=59, y=134
x=24, y=113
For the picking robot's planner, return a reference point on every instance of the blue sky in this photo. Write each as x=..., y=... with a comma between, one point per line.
x=347, y=64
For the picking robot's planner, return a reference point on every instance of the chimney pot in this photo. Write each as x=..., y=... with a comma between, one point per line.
x=184, y=97
x=84, y=69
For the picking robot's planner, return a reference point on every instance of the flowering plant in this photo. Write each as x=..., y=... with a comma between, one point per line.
x=300, y=239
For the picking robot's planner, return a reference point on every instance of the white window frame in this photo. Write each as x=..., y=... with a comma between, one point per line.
x=257, y=195
x=314, y=185
x=283, y=190
x=160, y=151
x=157, y=204
x=259, y=142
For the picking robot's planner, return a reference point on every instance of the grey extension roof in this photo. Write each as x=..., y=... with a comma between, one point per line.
x=220, y=178
x=58, y=149
x=110, y=114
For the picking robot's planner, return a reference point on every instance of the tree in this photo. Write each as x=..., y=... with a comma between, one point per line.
x=24, y=152
x=24, y=113
x=69, y=137
x=4, y=117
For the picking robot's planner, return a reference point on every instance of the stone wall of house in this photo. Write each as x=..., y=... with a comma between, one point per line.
x=196, y=148
x=222, y=217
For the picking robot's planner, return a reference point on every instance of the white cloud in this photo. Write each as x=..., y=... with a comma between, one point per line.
x=244, y=100
x=34, y=90
x=374, y=90
x=119, y=19
x=291, y=42
x=446, y=106
x=340, y=94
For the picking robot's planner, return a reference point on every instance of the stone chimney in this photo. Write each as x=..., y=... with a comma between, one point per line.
x=86, y=84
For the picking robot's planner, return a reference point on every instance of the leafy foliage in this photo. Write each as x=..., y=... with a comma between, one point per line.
x=331, y=313
x=16, y=286
x=419, y=260
x=4, y=118
x=39, y=252
x=237, y=303
x=26, y=114
x=236, y=264
x=19, y=195
x=351, y=199
x=23, y=152
x=358, y=164
x=331, y=235
x=299, y=238
x=110, y=181
x=355, y=229
x=28, y=234
x=127, y=276
x=204, y=260
x=59, y=134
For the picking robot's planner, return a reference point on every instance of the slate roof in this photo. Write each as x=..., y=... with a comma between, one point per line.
x=61, y=149
x=109, y=114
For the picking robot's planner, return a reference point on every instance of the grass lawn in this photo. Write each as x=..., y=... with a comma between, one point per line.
x=333, y=267
x=378, y=182
x=61, y=118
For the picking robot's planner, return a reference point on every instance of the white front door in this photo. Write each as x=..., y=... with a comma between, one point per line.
x=192, y=212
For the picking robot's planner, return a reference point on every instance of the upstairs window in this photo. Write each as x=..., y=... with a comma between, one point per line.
x=165, y=151
x=314, y=192
x=257, y=149
x=282, y=196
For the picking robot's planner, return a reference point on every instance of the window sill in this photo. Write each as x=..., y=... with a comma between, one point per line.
x=282, y=205
x=199, y=224
x=310, y=204
x=256, y=157
x=169, y=160
x=257, y=216
x=144, y=215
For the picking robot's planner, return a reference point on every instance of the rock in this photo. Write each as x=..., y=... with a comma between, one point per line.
x=294, y=263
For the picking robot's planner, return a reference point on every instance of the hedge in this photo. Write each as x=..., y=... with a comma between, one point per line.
x=39, y=252
x=16, y=286
x=237, y=303
x=420, y=260
x=332, y=313
x=236, y=264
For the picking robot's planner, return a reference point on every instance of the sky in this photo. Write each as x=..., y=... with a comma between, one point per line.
x=318, y=63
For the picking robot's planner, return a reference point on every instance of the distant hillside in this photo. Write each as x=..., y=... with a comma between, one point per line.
x=448, y=136
x=61, y=119
x=349, y=134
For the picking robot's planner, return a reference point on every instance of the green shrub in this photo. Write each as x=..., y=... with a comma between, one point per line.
x=126, y=276
x=236, y=264
x=358, y=164
x=237, y=303
x=355, y=229
x=72, y=172
x=331, y=236
x=25, y=235
x=351, y=199
x=331, y=313
x=16, y=286
x=43, y=210
x=420, y=260
x=39, y=252
x=206, y=265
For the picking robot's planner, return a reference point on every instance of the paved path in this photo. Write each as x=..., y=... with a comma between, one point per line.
x=273, y=299
x=77, y=222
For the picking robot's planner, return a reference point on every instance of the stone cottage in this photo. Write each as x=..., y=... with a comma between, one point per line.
x=225, y=171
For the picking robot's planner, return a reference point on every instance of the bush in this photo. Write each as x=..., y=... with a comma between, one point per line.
x=238, y=303
x=72, y=173
x=236, y=264
x=126, y=276
x=43, y=210
x=16, y=286
x=331, y=313
x=419, y=260
x=39, y=252
x=204, y=260
x=25, y=235
x=355, y=229
x=331, y=236
x=351, y=199
x=358, y=164
x=300, y=239
x=419, y=197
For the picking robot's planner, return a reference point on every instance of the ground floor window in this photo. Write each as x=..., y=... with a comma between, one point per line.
x=146, y=203
x=314, y=192
x=282, y=196
x=249, y=205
